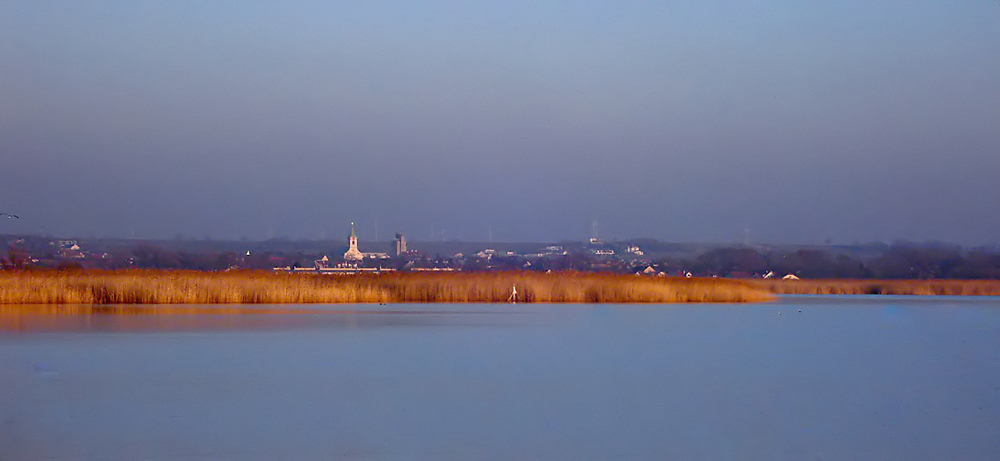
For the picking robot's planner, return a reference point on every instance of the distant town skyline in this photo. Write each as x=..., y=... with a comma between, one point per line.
x=777, y=122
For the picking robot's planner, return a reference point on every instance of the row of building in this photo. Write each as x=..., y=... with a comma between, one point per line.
x=353, y=258
x=353, y=254
x=401, y=258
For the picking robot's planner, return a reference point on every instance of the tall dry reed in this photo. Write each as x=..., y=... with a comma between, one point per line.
x=249, y=287
x=883, y=287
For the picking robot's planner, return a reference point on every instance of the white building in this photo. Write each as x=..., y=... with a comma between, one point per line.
x=353, y=254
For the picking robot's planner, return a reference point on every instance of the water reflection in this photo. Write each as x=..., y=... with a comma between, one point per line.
x=164, y=318
x=832, y=378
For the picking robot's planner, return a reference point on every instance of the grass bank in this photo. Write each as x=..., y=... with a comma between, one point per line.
x=249, y=287
x=882, y=287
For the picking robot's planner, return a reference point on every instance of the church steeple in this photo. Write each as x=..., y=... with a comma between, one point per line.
x=353, y=254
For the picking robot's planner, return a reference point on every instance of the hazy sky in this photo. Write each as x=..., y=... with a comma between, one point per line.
x=683, y=121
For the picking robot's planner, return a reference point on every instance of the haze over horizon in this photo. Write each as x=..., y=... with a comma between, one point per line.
x=681, y=121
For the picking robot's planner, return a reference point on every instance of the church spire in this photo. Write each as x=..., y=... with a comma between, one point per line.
x=353, y=254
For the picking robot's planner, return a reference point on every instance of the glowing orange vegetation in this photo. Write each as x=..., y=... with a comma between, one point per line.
x=250, y=287
x=883, y=287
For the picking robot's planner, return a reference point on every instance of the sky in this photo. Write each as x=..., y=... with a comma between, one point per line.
x=711, y=121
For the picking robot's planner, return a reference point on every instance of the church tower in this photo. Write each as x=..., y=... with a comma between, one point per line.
x=400, y=249
x=353, y=254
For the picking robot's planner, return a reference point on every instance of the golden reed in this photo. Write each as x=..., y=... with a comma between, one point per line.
x=258, y=287
x=882, y=287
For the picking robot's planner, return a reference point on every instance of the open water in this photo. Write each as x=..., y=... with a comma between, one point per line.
x=802, y=378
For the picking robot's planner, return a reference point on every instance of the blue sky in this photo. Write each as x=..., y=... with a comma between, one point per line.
x=684, y=121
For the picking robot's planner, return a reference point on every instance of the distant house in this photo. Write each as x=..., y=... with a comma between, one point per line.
x=69, y=249
x=322, y=263
x=65, y=244
x=552, y=250
x=790, y=277
x=487, y=253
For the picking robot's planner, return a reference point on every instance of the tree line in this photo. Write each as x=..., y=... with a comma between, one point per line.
x=898, y=261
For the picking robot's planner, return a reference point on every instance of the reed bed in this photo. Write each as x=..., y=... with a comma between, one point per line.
x=254, y=287
x=882, y=287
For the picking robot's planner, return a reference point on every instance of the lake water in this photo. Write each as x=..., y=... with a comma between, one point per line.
x=801, y=378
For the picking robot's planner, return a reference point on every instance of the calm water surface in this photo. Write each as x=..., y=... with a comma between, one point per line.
x=800, y=378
